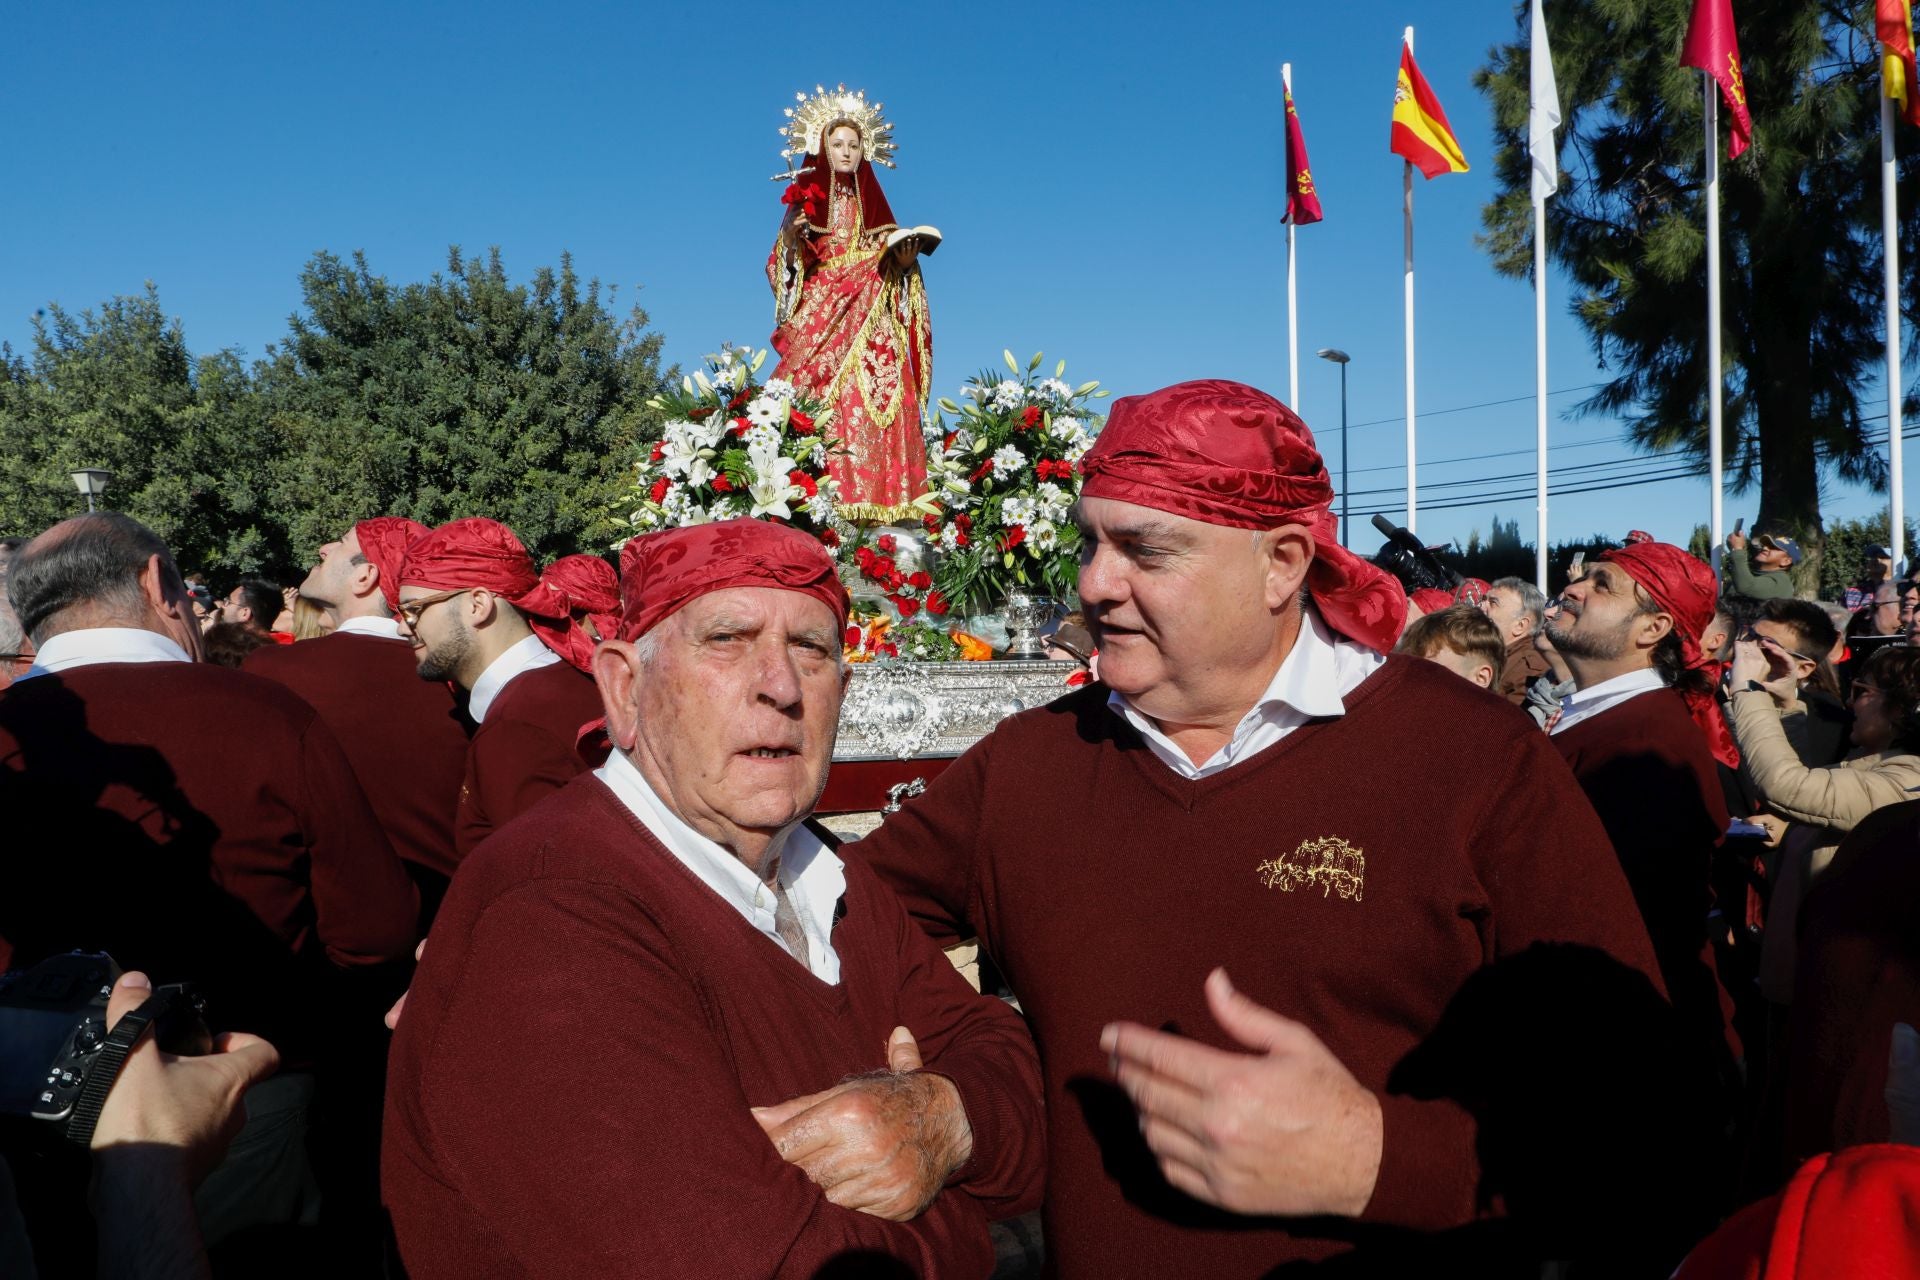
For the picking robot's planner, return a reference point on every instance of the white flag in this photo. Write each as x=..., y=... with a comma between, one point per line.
x=1543, y=115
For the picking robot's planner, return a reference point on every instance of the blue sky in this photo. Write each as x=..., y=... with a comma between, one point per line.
x=1108, y=177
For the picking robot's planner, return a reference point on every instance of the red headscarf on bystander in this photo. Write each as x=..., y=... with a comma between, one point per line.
x=660, y=573
x=1683, y=587
x=485, y=554
x=383, y=544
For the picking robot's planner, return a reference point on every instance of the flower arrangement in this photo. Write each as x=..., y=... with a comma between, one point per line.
x=731, y=447
x=873, y=637
x=908, y=592
x=1005, y=474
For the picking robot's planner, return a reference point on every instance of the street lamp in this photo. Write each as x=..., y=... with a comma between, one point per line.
x=91, y=482
x=1340, y=358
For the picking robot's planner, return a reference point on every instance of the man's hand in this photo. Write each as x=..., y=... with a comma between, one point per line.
x=882, y=1144
x=1752, y=662
x=400, y=1006
x=188, y=1104
x=1736, y=542
x=1285, y=1129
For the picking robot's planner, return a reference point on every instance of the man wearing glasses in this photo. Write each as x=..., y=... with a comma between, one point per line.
x=478, y=614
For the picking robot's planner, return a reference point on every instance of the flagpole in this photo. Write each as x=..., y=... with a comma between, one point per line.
x=1540, y=384
x=1407, y=204
x=1293, y=302
x=1715, y=463
x=1890, y=235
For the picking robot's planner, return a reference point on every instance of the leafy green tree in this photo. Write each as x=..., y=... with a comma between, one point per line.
x=462, y=395
x=1801, y=302
x=117, y=388
x=1847, y=543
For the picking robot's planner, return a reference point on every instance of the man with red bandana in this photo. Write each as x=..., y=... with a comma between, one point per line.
x=1642, y=731
x=1429, y=940
x=479, y=615
x=406, y=737
x=647, y=1000
x=592, y=591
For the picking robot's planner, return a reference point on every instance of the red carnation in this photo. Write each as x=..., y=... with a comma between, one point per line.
x=852, y=638
x=965, y=522
x=961, y=540
x=701, y=414
x=739, y=427
x=863, y=556
x=829, y=538
x=805, y=481
x=739, y=399
x=887, y=543
x=659, y=452
x=722, y=485
x=985, y=469
x=936, y=603
x=920, y=581
x=659, y=491
x=881, y=567
x=1030, y=417
x=907, y=605
x=800, y=422
x=1014, y=538
x=930, y=523
x=889, y=649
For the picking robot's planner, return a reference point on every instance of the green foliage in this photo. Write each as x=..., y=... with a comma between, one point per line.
x=1801, y=301
x=462, y=395
x=1504, y=555
x=117, y=388
x=1847, y=542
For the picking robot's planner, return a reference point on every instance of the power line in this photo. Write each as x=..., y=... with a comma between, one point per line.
x=1468, y=408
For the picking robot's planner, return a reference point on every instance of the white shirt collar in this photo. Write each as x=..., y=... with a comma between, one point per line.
x=1584, y=704
x=92, y=645
x=1313, y=681
x=525, y=656
x=369, y=624
x=813, y=876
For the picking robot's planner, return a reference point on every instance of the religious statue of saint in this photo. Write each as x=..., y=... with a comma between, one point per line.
x=850, y=306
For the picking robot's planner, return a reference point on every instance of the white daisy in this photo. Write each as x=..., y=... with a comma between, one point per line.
x=766, y=411
x=1008, y=460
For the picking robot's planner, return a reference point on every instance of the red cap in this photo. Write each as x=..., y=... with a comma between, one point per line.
x=590, y=586
x=383, y=542
x=1432, y=599
x=1849, y=1213
x=1228, y=454
x=1683, y=586
x=477, y=552
x=661, y=573
x=1638, y=535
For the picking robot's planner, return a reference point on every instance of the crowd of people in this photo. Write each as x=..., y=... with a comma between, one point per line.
x=1305, y=954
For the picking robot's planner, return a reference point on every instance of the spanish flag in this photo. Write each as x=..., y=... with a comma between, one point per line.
x=1421, y=133
x=1893, y=23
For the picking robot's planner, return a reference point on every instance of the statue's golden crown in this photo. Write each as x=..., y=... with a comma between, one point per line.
x=808, y=121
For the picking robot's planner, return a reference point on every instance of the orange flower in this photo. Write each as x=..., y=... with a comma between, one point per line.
x=972, y=647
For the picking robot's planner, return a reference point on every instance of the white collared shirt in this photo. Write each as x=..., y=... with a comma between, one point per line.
x=91, y=645
x=1313, y=679
x=812, y=874
x=527, y=655
x=370, y=624
x=1584, y=704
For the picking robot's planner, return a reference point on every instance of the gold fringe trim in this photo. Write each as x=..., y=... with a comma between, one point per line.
x=875, y=513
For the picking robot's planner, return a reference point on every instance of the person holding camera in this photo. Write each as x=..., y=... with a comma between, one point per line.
x=1768, y=576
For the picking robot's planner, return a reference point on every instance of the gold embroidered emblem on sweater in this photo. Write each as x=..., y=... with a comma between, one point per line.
x=1330, y=862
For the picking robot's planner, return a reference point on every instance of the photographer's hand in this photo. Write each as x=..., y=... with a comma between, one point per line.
x=164, y=1125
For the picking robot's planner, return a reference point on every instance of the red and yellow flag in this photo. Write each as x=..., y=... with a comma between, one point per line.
x=1893, y=23
x=1421, y=134
x=1712, y=47
x=1303, y=202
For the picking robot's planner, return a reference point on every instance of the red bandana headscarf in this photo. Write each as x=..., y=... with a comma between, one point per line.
x=477, y=552
x=383, y=544
x=661, y=573
x=1225, y=453
x=1683, y=587
x=591, y=587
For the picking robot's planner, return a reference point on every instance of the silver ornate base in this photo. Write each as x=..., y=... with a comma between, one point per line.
x=902, y=710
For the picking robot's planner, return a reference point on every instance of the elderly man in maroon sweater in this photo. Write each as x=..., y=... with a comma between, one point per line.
x=479, y=614
x=1373, y=849
x=650, y=1000
x=406, y=737
x=1642, y=731
x=199, y=823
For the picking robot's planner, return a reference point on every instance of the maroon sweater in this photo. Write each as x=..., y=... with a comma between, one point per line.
x=198, y=823
x=569, y=1091
x=525, y=749
x=1354, y=876
x=1647, y=769
x=405, y=736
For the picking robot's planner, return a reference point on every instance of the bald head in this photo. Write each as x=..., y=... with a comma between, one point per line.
x=102, y=569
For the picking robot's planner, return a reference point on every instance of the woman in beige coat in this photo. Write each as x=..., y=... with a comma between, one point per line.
x=1820, y=805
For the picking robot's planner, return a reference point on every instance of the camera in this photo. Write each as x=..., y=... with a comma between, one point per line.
x=55, y=1042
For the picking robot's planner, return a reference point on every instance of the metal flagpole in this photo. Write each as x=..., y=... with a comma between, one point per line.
x=1890, y=236
x=1407, y=184
x=1293, y=306
x=1543, y=116
x=1715, y=463
x=1540, y=383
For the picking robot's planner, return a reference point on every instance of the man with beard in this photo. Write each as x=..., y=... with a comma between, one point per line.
x=479, y=614
x=1642, y=731
x=406, y=737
